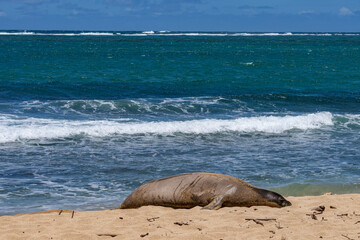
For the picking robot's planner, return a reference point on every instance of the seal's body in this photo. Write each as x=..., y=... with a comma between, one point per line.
x=202, y=189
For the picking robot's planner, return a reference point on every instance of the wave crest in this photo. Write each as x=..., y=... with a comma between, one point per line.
x=12, y=129
x=167, y=33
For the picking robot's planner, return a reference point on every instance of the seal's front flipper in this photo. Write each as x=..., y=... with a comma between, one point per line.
x=215, y=204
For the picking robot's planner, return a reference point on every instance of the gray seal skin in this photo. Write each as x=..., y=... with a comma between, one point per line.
x=210, y=190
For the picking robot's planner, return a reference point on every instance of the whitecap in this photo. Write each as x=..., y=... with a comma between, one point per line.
x=17, y=33
x=35, y=128
x=96, y=34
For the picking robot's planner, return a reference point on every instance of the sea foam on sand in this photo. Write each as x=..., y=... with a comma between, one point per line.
x=339, y=220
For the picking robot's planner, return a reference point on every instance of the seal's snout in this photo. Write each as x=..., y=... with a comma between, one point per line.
x=285, y=203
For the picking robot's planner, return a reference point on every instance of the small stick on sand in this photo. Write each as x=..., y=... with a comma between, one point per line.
x=257, y=220
x=60, y=212
x=181, y=223
x=144, y=235
x=347, y=237
x=260, y=219
x=107, y=235
x=152, y=219
x=72, y=215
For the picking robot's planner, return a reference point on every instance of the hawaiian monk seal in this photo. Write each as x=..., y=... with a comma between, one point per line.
x=202, y=189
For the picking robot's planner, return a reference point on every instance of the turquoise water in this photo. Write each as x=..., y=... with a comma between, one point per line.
x=86, y=117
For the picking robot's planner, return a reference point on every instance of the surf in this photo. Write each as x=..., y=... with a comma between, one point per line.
x=14, y=129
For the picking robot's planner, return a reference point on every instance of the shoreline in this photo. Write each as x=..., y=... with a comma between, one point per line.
x=339, y=220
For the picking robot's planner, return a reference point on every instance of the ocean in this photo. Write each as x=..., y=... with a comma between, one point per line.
x=86, y=117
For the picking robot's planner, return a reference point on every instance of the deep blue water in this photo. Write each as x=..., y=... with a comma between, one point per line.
x=85, y=118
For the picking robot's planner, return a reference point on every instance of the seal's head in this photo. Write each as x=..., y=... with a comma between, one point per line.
x=273, y=199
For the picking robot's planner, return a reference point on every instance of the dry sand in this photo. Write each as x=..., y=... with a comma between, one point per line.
x=339, y=220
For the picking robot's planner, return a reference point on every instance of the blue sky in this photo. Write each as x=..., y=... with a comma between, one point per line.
x=182, y=15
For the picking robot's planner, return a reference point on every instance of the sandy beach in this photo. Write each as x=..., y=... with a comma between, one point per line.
x=339, y=219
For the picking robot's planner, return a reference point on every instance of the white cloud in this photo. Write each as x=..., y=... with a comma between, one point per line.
x=2, y=14
x=345, y=12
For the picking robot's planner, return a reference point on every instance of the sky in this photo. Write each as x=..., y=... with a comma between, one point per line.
x=182, y=15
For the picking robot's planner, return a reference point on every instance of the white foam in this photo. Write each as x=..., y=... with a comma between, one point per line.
x=17, y=33
x=161, y=33
x=93, y=104
x=77, y=34
x=168, y=33
x=349, y=120
x=314, y=34
x=34, y=128
x=59, y=34
x=261, y=34
x=193, y=34
x=84, y=107
x=132, y=34
x=96, y=34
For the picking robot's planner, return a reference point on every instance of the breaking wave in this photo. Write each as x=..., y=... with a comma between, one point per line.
x=165, y=106
x=168, y=33
x=13, y=129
